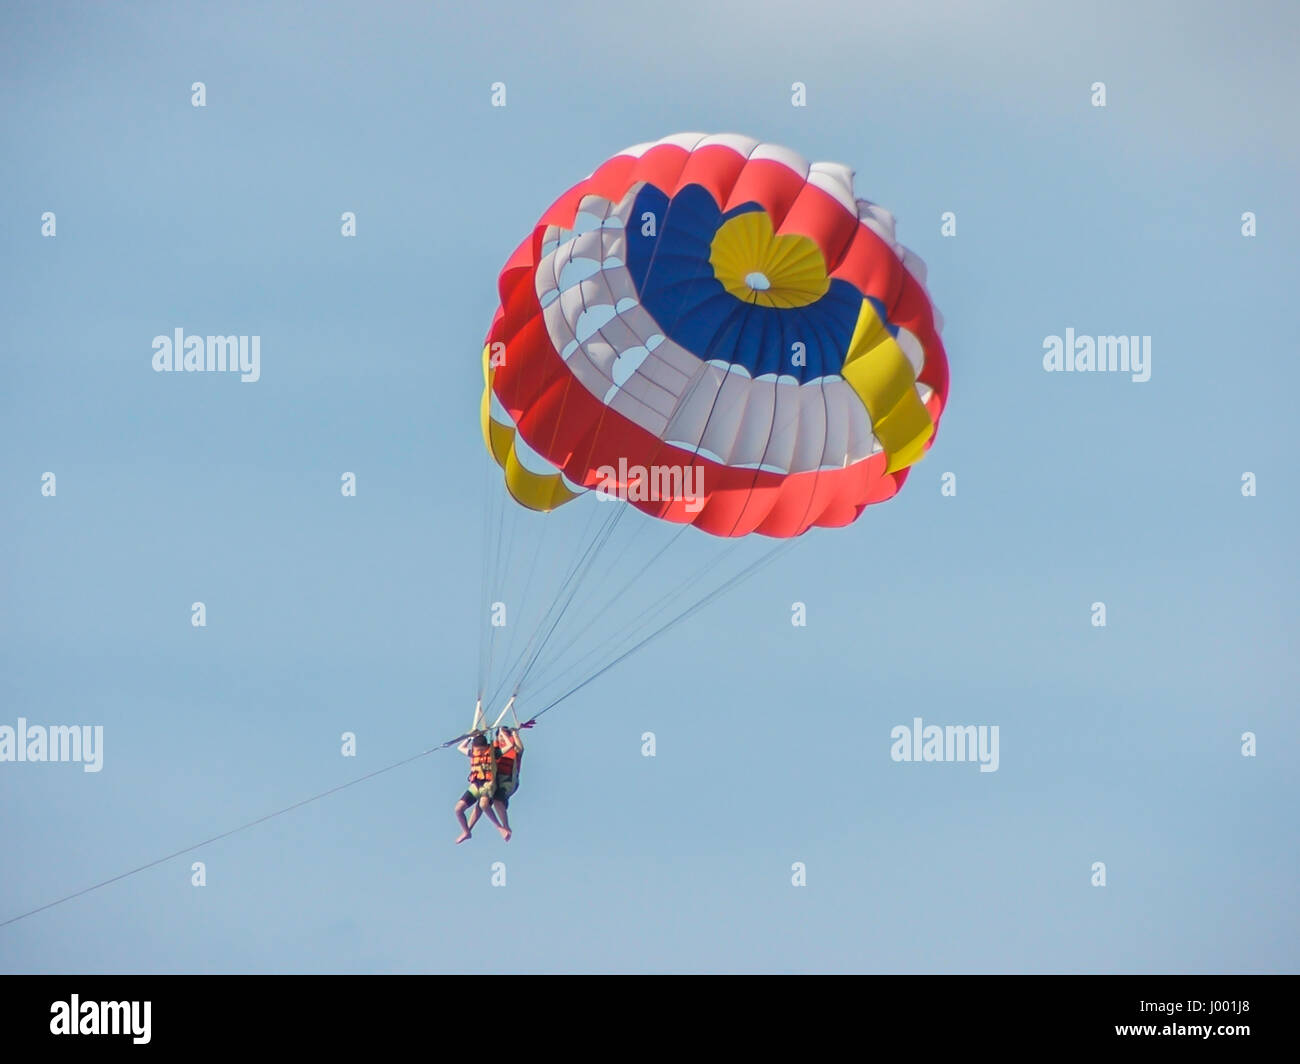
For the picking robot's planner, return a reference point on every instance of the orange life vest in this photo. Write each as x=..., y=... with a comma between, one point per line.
x=482, y=764
x=507, y=759
x=506, y=765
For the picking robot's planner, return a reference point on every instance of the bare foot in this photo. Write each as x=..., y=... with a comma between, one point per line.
x=505, y=833
x=463, y=836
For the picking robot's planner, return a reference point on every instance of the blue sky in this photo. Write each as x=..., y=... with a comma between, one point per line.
x=328, y=614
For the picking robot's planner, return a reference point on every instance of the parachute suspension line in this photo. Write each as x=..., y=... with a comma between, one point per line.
x=485, y=531
x=744, y=574
x=587, y=546
x=584, y=567
x=684, y=588
x=520, y=606
x=523, y=614
x=670, y=599
x=602, y=610
x=547, y=661
x=734, y=580
x=489, y=631
x=485, y=545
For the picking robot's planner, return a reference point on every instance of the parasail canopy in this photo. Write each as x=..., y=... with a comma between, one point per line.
x=716, y=333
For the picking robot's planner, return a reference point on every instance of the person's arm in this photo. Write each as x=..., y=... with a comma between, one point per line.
x=464, y=746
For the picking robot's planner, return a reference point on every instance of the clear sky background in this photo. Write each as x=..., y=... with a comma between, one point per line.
x=328, y=614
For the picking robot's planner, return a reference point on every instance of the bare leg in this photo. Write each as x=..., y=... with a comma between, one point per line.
x=485, y=804
x=503, y=818
x=474, y=814
x=460, y=817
